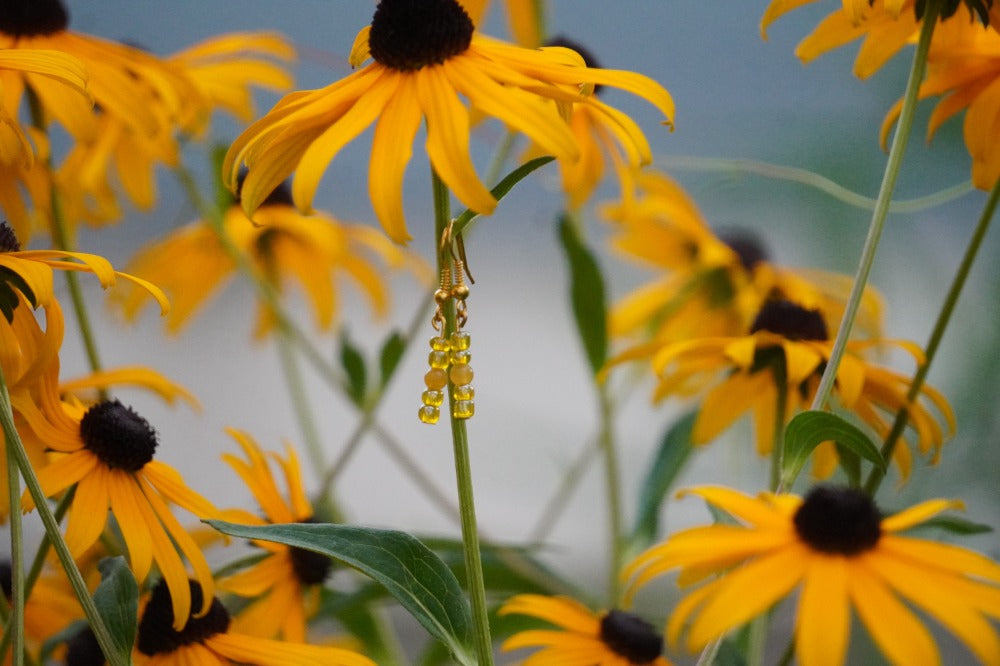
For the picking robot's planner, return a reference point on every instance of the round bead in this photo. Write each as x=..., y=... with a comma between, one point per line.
x=463, y=392
x=460, y=340
x=439, y=343
x=460, y=291
x=461, y=374
x=461, y=357
x=432, y=398
x=441, y=296
x=438, y=359
x=436, y=379
x=463, y=409
x=429, y=414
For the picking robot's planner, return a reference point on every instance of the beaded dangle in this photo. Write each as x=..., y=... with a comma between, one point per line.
x=449, y=356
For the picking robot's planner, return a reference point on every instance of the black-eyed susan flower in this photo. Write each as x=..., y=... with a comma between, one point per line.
x=208, y=641
x=963, y=67
x=425, y=54
x=49, y=609
x=107, y=451
x=779, y=362
x=192, y=264
x=841, y=553
x=583, y=637
x=711, y=284
x=524, y=18
x=285, y=585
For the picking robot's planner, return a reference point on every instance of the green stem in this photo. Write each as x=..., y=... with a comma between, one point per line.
x=940, y=325
x=711, y=651
x=892, y=167
x=16, y=560
x=778, y=441
x=463, y=466
x=757, y=640
x=299, y=398
x=16, y=447
x=612, y=483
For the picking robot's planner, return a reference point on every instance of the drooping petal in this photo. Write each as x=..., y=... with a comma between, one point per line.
x=822, y=624
x=392, y=147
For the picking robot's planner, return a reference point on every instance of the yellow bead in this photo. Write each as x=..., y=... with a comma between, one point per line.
x=439, y=343
x=461, y=357
x=432, y=398
x=460, y=340
x=438, y=359
x=460, y=374
x=436, y=379
x=463, y=409
x=463, y=392
x=429, y=414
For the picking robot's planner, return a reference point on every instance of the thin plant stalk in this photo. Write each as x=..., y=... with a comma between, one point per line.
x=892, y=168
x=16, y=449
x=16, y=561
x=937, y=334
x=778, y=441
x=612, y=483
x=463, y=466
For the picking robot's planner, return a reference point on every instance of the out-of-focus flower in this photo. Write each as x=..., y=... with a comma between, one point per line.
x=779, y=362
x=524, y=17
x=583, y=638
x=425, y=54
x=841, y=553
x=208, y=641
x=285, y=584
x=49, y=609
x=192, y=263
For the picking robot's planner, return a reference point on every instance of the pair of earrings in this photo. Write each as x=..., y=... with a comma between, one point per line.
x=449, y=356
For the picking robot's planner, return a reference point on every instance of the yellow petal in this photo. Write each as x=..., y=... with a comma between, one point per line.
x=823, y=622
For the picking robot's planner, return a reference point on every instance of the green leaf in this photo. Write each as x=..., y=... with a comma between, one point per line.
x=501, y=189
x=850, y=462
x=411, y=572
x=117, y=602
x=954, y=525
x=675, y=447
x=354, y=365
x=808, y=429
x=391, y=354
x=586, y=294
x=356, y=613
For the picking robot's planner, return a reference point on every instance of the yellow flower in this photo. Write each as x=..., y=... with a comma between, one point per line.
x=712, y=285
x=286, y=583
x=425, y=54
x=107, y=451
x=837, y=548
x=192, y=264
x=785, y=352
x=225, y=67
x=49, y=609
x=208, y=641
x=964, y=67
x=524, y=17
x=584, y=638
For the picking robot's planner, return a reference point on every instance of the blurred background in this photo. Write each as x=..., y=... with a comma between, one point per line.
x=737, y=97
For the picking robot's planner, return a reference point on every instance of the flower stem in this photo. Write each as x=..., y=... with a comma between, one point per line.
x=17, y=594
x=612, y=482
x=16, y=448
x=940, y=325
x=778, y=440
x=892, y=167
x=463, y=467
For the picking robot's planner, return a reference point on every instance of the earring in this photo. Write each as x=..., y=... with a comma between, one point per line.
x=439, y=357
x=460, y=373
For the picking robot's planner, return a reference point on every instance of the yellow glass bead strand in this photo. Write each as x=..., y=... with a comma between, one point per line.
x=462, y=392
x=435, y=380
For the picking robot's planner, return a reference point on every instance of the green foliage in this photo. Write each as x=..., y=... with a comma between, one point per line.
x=586, y=294
x=353, y=364
x=409, y=571
x=675, y=447
x=390, y=356
x=117, y=602
x=811, y=428
x=953, y=525
x=501, y=189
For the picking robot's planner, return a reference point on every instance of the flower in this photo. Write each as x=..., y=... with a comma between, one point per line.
x=785, y=353
x=192, y=263
x=425, y=54
x=107, y=451
x=963, y=66
x=207, y=640
x=524, y=17
x=49, y=609
x=287, y=582
x=842, y=553
x=712, y=285
x=585, y=638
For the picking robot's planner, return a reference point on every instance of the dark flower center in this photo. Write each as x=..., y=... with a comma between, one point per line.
x=311, y=568
x=279, y=196
x=588, y=57
x=156, y=632
x=790, y=321
x=631, y=637
x=747, y=246
x=6, y=578
x=841, y=521
x=118, y=436
x=981, y=8
x=8, y=239
x=84, y=650
x=410, y=34
x=26, y=18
